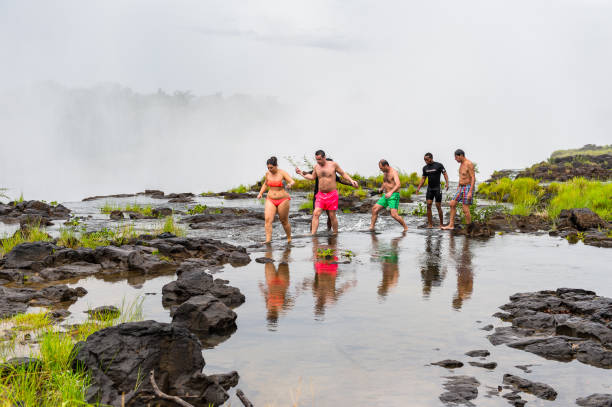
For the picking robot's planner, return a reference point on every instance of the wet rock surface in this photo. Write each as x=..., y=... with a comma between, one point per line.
x=562, y=325
x=460, y=390
x=595, y=400
x=196, y=282
x=540, y=390
x=205, y=314
x=32, y=212
x=113, y=356
x=485, y=365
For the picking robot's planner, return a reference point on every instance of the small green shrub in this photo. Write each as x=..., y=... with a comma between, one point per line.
x=170, y=226
x=197, y=209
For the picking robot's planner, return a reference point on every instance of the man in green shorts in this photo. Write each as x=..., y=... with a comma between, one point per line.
x=390, y=199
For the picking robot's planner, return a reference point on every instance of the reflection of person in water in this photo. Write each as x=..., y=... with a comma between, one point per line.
x=389, y=259
x=326, y=272
x=431, y=274
x=465, y=276
x=276, y=289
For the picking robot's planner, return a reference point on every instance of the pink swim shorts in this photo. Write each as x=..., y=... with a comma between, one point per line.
x=327, y=201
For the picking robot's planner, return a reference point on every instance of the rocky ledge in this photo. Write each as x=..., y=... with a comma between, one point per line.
x=562, y=325
x=31, y=268
x=32, y=212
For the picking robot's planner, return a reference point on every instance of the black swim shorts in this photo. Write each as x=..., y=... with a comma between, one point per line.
x=434, y=193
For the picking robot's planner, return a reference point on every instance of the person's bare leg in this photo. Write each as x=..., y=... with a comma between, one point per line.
x=398, y=218
x=329, y=224
x=429, y=215
x=334, y=221
x=451, y=222
x=440, y=214
x=468, y=215
x=269, y=213
x=315, y=220
x=283, y=214
x=375, y=209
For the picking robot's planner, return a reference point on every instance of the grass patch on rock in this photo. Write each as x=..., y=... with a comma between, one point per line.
x=146, y=210
x=50, y=380
x=33, y=233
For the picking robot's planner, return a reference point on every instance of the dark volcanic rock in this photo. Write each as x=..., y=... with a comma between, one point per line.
x=562, y=325
x=474, y=229
x=77, y=269
x=540, y=390
x=32, y=212
x=595, y=400
x=482, y=353
x=25, y=254
x=116, y=215
x=59, y=293
x=238, y=258
x=264, y=260
x=197, y=282
x=584, y=218
x=205, y=314
x=486, y=365
x=449, y=363
x=460, y=390
x=113, y=356
x=161, y=212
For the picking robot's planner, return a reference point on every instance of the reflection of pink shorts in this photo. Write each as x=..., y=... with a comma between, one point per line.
x=327, y=201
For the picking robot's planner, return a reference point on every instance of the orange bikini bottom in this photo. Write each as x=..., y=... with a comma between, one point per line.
x=277, y=202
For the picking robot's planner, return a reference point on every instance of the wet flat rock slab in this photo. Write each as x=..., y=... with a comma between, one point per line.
x=460, y=390
x=562, y=325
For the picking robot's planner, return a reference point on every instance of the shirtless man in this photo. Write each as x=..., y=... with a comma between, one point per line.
x=467, y=180
x=327, y=197
x=391, y=185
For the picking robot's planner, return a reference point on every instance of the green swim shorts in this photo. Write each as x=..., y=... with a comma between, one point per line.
x=391, y=203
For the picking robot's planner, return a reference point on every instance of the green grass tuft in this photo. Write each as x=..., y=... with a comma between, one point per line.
x=581, y=193
x=170, y=226
x=197, y=209
x=33, y=233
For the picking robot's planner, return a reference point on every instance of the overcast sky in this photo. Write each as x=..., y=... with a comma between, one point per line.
x=507, y=81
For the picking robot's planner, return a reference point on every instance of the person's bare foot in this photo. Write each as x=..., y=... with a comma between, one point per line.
x=288, y=240
x=447, y=227
x=430, y=226
x=371, y=230
x=406, y=229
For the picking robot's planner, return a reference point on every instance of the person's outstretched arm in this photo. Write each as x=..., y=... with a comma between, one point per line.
x=289, y=180
x=264, y=186
x=346, y=176
x=311, y=176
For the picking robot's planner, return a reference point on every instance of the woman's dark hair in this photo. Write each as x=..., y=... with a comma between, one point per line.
x=272, y=161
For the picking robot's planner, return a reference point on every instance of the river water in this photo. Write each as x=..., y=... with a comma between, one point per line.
x=361, y=328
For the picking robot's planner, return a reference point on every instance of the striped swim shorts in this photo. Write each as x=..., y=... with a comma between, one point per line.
x=462, y=194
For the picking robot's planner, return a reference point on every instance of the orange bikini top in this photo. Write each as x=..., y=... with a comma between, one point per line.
x=278, y=184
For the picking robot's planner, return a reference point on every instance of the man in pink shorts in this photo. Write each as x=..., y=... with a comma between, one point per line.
x=327, y=197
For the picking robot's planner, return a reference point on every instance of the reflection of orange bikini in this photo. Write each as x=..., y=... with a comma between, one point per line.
x=278, y=184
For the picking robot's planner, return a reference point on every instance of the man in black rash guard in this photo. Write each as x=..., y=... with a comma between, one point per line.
x=432, y=172
x=316, y=189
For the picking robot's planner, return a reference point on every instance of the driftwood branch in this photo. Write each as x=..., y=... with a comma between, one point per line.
x=243, y=398
x=165, y=396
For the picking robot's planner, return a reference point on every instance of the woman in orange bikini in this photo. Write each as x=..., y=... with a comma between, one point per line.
x=277, y=199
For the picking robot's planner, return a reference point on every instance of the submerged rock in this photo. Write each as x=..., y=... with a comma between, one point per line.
x=460, y=390
x=595, y=400
x=562, y=325
x=21, y=364
x=120, y=358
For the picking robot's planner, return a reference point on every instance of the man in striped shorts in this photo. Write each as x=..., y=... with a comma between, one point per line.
x=465, y=191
